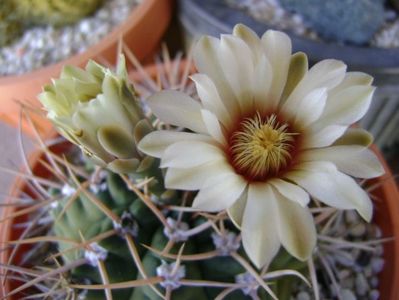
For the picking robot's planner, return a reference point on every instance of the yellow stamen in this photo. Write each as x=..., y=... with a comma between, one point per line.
x=261, y=147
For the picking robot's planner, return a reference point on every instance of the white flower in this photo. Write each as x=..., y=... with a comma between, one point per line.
x=268, y=133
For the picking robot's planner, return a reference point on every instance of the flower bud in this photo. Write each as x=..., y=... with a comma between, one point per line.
x=98, y=110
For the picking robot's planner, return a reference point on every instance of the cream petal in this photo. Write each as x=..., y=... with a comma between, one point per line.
x=334, y=189
x=194, y=178
x=156, y=142
x=101, y=112
x=347, y=106
x=189, y=154
x=213, y=126
x=111, y=88
x=355, y=194
x=77, y=73
x=124, y=166
x=236, y=211
x=251, y=39
x=210, y=98
x=238, y=67
x=354, y=160
x=259, y=225
x=296, y=228
x=317, y=166
x=320, y=186
x=290, y=191
x=278, y=48
x=206, y=58
x=351, y=79
x=299, y=66
x=263, y=77
x=309, y=109
x=117, y=141
x=323, y=138
x=94, y=114
x=355, y=136
x=327, y=73
x=177, y=108
x=220, y=193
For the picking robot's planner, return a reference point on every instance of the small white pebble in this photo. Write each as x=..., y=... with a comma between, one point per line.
x=368, y=271
x=374, y=295
x=374, y=281
x=347, y=295
x=377, y=264
x=379, y=250
x=361, y=285
x=358, y=230
x=344, y=259
x=344, y=274
x=303, y=296
x=351, y=216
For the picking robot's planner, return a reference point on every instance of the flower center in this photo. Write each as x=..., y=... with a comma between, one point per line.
x=261, y=147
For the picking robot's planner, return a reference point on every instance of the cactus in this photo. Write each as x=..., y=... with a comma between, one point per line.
x=70, y=225
x=15, y=14
x=120, y=232
x=353, y=21
x=139, y=224
x=56, y=12
x=10, y=25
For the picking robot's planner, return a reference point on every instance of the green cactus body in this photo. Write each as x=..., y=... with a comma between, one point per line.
x=56, y=12
x=72, y=224
x=84, y=219
x=10, y=25
x=151, y=262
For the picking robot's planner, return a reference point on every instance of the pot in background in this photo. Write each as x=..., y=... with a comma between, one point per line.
x=141, y=32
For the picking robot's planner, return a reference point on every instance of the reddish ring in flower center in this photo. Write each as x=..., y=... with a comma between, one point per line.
x=262, y=147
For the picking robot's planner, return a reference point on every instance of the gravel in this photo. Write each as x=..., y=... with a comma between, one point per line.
x=41, y=46
x=272, y=13
x=388, y=36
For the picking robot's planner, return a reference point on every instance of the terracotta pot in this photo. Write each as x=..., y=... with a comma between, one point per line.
x=7, y=233
x=141, y=32
x=386, y=215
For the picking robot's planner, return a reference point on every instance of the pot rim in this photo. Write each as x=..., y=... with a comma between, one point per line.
x=94, y=50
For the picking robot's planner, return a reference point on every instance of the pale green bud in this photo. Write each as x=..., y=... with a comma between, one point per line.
x=98, y=110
